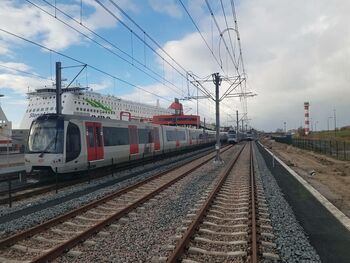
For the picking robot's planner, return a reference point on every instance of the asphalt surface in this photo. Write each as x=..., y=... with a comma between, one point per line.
x=328, y=236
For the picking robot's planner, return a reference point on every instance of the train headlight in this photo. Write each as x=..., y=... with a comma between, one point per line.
x=56, y=160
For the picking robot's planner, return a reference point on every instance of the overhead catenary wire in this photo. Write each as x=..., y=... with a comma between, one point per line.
x=201, y=34
x=137, y=36
x=234, y=15
x=83, y=63
x=25, y=72
x=103, y=46
x=183, y=74
x=231, y=43
x=220, y=33
x=238, y=35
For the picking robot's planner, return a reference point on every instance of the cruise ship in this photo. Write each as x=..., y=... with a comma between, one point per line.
x=83, y=101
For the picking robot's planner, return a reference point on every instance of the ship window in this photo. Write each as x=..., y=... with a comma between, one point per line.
x=81, y=109
x=75, y=102
x=51, y=108
x=78, y=102
x=41, y=109
x=62, y=101
x=77, y=108
x=46, y=108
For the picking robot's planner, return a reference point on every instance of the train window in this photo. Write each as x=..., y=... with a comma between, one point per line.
x=171, y=136
x=90, y=132
x=181, y=135
x=145, y=135
x=73, y=146
x=46, y=136
x=113, y=136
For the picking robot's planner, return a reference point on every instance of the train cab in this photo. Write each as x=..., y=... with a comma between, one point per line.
x=53, y=142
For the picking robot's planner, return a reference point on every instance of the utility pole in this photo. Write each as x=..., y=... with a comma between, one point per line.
x=217, y=82
x=58, y=89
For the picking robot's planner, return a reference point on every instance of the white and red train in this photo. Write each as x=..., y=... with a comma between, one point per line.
x=70, y=143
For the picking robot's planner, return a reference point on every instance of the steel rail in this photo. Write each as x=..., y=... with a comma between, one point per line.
x=27, y=191
x=56, y=251
x=186, y=238
x=254, y=245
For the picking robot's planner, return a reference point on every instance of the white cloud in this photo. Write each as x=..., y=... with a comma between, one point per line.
x=294, y=52
x=13, y=66
x=43, y=28
x=168, y=7
x=20, y=84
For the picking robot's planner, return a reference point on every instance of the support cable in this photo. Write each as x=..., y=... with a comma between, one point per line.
x=25, y=72
x=81, y=62
x=141, y=39
x=200, y=33
x=103, y=46
x=223, y=39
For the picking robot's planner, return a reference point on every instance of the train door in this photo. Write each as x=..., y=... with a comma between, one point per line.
x=190, y=137
x=133, y=139
x=94, y=140
x=156, y=139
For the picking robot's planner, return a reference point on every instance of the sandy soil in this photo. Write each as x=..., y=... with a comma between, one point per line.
x=331, y=178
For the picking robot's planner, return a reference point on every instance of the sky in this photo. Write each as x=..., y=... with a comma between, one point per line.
x=293, y=51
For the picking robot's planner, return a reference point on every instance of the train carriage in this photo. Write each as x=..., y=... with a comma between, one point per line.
x=69, y=143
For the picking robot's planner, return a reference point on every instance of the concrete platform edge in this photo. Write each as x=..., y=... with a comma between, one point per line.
x=339, y=215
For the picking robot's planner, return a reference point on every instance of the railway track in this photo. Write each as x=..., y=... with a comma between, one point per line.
x=232, y=223
x=35, y=189
x=49, y=240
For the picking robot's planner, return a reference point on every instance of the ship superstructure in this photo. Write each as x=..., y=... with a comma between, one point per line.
x=82, y=101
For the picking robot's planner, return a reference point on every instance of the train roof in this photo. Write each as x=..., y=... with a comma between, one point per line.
x=54, y=116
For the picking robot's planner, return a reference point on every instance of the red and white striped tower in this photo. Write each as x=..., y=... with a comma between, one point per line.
x=306, y=117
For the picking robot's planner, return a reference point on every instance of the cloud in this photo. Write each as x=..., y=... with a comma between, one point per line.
x=13, y=66
x=43, y=28
x=168, y=7
x=293, y=52
x=20, y=83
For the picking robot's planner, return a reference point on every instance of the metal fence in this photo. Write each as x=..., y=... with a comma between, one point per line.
x=335, y=149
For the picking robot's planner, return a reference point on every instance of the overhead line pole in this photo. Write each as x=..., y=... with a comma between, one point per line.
x=58, y=88
x=217, y=82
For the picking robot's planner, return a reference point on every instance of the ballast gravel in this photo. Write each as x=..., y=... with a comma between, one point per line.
x=147, y=233
x=292, y=242
x=30, y=220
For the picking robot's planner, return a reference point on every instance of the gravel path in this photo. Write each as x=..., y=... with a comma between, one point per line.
x=291, y=240
x=145, y=234
x=24, y=222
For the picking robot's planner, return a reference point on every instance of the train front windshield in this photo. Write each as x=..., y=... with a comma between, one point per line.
x=46, y=136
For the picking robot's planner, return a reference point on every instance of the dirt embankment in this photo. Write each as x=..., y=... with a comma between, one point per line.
x=329, y=176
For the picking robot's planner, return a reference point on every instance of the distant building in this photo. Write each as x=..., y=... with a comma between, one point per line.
x=5, y=132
